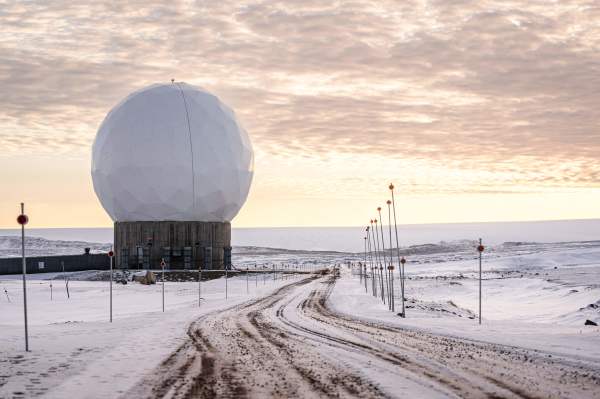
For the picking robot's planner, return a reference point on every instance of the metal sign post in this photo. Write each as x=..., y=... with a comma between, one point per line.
x=480, y=249
x=22, y=219
x=247, y=281
x=110, y=255
x=162, y=265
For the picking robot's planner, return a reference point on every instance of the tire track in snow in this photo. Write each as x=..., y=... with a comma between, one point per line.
x=490, y=370
x=228, y=355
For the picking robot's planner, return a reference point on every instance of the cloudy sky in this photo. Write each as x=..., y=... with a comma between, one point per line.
x=476, y=110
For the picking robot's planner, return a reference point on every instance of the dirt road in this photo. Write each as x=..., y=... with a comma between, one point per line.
x=290, y=344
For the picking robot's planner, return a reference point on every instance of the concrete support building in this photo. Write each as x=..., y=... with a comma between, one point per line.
x=182, y=245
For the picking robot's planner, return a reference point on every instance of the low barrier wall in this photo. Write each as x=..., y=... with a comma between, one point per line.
x=53, y=264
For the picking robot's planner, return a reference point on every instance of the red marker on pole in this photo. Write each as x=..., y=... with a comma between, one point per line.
x=22, y=219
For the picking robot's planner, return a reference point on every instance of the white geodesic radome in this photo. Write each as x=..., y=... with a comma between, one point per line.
x=172, y=152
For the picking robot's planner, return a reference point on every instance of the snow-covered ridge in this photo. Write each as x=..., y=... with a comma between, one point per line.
x=10, y=246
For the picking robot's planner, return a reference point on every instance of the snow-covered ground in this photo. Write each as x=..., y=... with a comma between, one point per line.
x=535, y=296
x=504, y=326
x=555, y=284
x=76, y=352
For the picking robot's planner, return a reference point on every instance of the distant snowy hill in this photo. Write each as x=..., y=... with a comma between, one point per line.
x=10, y=246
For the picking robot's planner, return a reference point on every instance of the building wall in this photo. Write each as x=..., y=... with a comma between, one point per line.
x=182, y=244
x=54, y=264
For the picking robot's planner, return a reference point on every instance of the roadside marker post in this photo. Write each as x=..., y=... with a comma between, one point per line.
x=62, y=264
x=111, y=255
x=199, y=285
x=391, y=268
x=226, y=293
x=401, y=261
x=247, y=281
x=22, y=219
x=373, y=286
x=361, y=268
x=377, y=251
x=199, y=274
x=392, y=301
x=480, y=249
x=387, y=283
x=162, y=265
x=381, y=281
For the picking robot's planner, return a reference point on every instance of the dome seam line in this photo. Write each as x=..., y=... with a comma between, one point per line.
x=187, y=117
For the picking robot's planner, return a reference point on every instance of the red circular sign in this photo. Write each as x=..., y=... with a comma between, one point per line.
x=22, y=219
x=111, y=254
x=480, y=248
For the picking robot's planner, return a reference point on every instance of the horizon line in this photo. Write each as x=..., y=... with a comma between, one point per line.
x=346, y=226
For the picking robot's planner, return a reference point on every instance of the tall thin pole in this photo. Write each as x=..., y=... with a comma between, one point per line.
x=380, y=264
x=162, y=264
x=373, y=289
x=199, y=285
x=226, y=293
x=361, y=268
x=22, y=220
x=110, y=254
x=480, y=249
x=247, y=282
x=400, y=264
x=385, y=266
x=373, y=260
x=392, y=299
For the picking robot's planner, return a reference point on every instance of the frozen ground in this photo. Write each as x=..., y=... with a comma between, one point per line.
x=76, y=352
x=320, y=336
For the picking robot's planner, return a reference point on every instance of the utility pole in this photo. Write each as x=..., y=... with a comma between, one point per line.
x=22, y=219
